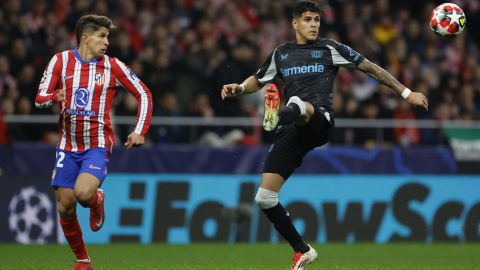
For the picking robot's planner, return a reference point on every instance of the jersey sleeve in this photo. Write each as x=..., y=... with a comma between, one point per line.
x=128, y=80
x=268, y=71
x=344, y=56
x=49, y=81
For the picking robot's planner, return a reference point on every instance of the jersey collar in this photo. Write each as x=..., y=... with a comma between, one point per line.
x=75, y=52
x=294, y=43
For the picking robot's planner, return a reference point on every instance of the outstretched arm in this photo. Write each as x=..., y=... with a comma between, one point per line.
x=250, y=85
x=383, y=77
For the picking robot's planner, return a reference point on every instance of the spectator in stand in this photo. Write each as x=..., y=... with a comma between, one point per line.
x=364, y=87
x=405, y=136
x=367, y=136
x=5, y=77
x=168, y=134
x=185, y=47
x=415, y=42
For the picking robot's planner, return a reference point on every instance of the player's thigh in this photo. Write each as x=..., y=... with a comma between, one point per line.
x=65, y=171
x=317, y=132
x=272, y=181
x=283, y=156
x=92, y=173
x=94, y=162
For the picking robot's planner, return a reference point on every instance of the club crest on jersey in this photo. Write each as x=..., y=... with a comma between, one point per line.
x=81, y=98
x=317, y=54
x=99, y=78
x=284, y=57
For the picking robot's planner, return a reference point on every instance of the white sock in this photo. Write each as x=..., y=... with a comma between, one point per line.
x=86, y=260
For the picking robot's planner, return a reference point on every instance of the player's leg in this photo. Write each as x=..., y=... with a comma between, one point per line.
x=67, y=204
x=92, y=174
x=63, y=181
x=267, y=200
x=85, y=189
x=280, y=163
x=295, y=111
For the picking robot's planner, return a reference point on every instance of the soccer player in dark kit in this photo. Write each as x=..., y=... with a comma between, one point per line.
x=308, y=67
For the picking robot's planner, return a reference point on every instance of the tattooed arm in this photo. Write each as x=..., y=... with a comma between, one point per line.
x=383, y=77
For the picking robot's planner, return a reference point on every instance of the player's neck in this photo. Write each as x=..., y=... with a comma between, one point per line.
x=86, y=54
x=302, y=41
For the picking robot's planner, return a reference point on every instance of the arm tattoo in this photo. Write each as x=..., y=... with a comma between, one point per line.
x=381, y=75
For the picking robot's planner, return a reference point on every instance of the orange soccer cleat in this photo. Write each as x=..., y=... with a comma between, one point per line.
x=97, y=213
x=272, y=104
x=81, y=265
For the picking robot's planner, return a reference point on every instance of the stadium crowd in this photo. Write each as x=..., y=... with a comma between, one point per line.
x=186, y=50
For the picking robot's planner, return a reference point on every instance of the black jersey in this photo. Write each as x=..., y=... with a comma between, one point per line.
x=309, y=70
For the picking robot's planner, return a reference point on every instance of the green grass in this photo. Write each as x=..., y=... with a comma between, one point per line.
x=245, y=256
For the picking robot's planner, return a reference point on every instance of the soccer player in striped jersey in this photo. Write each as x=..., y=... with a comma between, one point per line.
x=307, y=67
x=83, y=82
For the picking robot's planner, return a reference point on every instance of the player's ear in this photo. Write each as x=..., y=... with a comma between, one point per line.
x=85, y=38
x=294, y=23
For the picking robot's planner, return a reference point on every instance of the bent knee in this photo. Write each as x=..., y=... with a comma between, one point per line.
x=83, y=196
x=266, y=199
x=67, y=208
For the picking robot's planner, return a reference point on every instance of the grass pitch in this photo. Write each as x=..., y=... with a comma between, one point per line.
x=245, y=256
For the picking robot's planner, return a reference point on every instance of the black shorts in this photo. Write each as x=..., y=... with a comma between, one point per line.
x=292, y=143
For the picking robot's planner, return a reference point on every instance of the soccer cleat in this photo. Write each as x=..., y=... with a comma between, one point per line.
x=272, y=103
x=80, y=265
x=97, y=213
x=301, y=261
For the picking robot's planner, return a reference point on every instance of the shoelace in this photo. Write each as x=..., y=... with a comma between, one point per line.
x=297, y=257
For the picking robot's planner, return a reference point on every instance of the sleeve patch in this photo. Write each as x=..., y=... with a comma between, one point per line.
x=134, y=77
x=44, y=77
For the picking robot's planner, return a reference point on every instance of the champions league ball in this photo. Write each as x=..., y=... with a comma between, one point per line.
x=447, y=21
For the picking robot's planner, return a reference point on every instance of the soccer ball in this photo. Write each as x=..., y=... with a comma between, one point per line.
x=447, y=21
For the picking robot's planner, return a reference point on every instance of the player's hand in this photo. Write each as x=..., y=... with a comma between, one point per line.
x=418, y=100
x=58, y=95
x=134, y=140
x=231, y=90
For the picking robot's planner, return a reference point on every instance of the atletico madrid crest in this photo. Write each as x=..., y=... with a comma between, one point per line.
x=99, y=78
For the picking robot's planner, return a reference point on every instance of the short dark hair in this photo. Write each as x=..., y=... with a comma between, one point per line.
x=94, y=22
x=301, y=7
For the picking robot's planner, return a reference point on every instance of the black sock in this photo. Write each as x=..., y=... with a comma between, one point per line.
x=289, y=114
x=283, y=224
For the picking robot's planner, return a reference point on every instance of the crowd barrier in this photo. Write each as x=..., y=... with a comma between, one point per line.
x=29, y=158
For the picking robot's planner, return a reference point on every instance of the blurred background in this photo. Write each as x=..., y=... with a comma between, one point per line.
x=185, y=51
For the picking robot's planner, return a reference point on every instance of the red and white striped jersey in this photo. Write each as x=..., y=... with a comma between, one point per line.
x=89, y=88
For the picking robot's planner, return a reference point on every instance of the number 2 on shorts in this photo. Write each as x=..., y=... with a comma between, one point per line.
x=59, y=162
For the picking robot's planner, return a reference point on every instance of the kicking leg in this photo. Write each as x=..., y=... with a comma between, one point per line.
x=88, y=195
x=296, y=111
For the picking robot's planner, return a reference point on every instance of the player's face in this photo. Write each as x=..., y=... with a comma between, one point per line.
x=98, y=42
x=307, y=26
